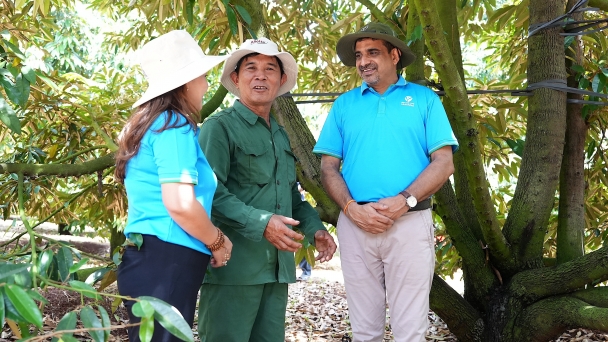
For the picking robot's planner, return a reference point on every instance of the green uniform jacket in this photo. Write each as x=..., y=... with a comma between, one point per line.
x=256, y=176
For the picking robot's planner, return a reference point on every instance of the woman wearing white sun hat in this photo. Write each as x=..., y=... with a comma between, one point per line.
x=169, y=183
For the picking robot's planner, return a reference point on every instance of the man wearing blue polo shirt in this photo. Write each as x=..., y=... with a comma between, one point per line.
x=395, y=144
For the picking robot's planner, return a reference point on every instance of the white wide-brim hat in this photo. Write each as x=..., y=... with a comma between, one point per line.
x=266, y=47
x=171, y=61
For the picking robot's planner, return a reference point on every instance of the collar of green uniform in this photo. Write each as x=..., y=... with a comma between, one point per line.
x=250, y=116
x=245, y=112
x=400, y=82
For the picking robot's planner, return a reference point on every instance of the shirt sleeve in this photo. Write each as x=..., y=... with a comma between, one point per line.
x=175, y=155
x=227, y=208
x=438, y=130
x=330, y=140
x=309, y=219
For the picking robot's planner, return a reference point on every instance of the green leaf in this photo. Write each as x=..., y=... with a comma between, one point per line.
x=23, y=87
x=146, y=329
x=416, y=35
x=137, y=239
x=29, y=74
x=568, y=41
x=190, y=11
x=595, y=83
x=244, y=14
x=86, y=289
x=170, y=318
x=8, y=116
x=90, y=320
x=516, y=146
x=8, y=270
x=14, y=48
x=36, y=296
x=96, y=276
x=78, y=265
x=24, y=305
x=64, y=262
x=117, y=258
x=583, y=83
x=2, y=310
x=105, y=320
x=143, y=309
x=578, y=68
x=68, y=322
x=48, y=81
x=44, y=261
x=232, y=21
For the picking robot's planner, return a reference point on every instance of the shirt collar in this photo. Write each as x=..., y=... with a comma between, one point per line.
x=400, y=82
x=245, y=112
x=252, y=117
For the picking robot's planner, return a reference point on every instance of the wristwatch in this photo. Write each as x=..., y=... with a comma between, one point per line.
x=409, y=199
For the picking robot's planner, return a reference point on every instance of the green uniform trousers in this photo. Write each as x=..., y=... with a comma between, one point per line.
x=241, y=313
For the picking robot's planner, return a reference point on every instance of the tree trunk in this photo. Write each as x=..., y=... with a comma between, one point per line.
x=571, y=217
x=539, y=174
x=308, y=168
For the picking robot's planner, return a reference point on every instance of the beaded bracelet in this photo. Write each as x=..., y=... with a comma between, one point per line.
x=346, y=206
x=219, y=242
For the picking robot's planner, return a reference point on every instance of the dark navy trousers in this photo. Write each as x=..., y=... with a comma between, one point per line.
x=163, y=270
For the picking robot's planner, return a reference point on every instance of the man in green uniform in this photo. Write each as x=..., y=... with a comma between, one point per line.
x=256, y=202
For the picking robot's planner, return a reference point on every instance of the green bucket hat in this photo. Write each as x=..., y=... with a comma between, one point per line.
x=346, y=44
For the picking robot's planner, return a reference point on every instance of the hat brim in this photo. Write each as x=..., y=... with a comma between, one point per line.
x=179, y=78
x=346, y=47
x=290, y=67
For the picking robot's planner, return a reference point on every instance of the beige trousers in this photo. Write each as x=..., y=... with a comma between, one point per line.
x=396, y=265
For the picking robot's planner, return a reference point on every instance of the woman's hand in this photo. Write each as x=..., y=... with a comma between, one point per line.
x=221, y=257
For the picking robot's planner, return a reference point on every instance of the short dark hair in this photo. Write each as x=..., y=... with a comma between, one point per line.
x=238, y=64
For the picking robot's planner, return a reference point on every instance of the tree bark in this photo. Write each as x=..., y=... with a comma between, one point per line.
x=462, y=319
x=547, y=319
x=308, y=168
x=535, y=284
x=480, y=278
x=62, y=170
x=601, y=4
x=466, y=132
x=571, y=216
x=546, y=127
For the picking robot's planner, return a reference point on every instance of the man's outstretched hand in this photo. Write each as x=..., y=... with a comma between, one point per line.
x=280, y=236
x=325, y=244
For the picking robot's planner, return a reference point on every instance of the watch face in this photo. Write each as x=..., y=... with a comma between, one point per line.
x=411, y=201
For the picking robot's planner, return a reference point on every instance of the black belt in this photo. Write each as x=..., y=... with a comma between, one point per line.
x=426, y=204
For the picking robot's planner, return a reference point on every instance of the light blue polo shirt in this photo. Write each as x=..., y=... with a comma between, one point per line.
x=385, y=141
x=171, y=156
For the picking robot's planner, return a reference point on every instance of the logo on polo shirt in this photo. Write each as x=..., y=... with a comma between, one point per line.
x=408, y=102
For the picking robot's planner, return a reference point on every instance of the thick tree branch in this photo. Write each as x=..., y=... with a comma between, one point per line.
x=462, y=319
x=64, y=170
x=596, y=296
x=547, y=319
x=308, y=168
x=546, y=127
x=448, y=11
x=479, y=277
x=571, y=217
x=466, y=132
x=415, y=71
x=601, y=4
x=533, y=285
x=381, y=17
x=214, y=103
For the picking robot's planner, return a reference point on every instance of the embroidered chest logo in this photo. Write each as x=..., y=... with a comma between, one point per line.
x=408, y=102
